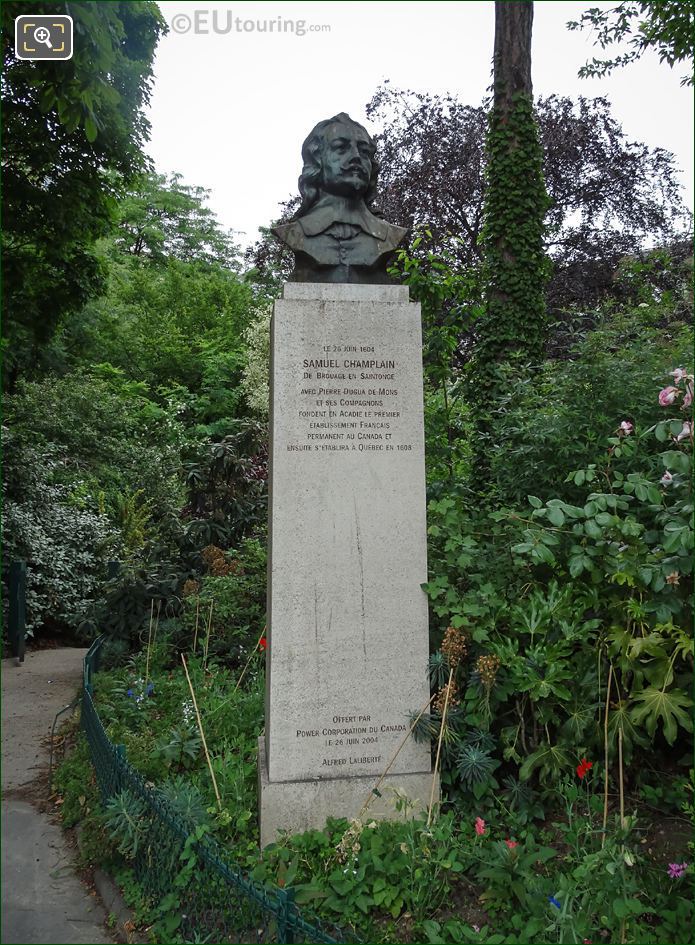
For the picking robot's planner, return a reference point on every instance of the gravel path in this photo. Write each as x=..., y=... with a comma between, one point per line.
x=43, y=899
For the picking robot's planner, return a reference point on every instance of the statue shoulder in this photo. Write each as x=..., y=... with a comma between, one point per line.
x=388, y=233
x=396, y=234
x=291, y=234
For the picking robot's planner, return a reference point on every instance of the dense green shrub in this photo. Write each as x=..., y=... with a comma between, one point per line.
x=116, y=449
x=559, y=419
x=66, y=546
x=576, y=604
x=225, y=610
x=91, y=473
x=147, y=706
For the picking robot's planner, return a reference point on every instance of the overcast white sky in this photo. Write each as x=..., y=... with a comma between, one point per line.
x=230, y=111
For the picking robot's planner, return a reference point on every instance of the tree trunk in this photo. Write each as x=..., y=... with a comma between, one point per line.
x=510, y=334
x=512, y=56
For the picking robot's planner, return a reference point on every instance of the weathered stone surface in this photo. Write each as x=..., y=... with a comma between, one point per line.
x=295, y=806
x=343, y=292
x=348, y=638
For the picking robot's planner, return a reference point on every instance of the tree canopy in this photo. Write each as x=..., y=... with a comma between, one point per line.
x=73, y=136
x=666, y=26
x=607, y=194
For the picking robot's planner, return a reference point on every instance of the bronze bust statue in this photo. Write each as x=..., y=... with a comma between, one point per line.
x=334, y=235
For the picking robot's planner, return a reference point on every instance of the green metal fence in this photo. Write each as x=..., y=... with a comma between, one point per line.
x=215, y=901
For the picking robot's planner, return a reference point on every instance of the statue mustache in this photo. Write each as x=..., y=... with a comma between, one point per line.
x=354, y=164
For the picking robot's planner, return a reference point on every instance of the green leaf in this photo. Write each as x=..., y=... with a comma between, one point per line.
x=308, y=893
x=548, y=758
x=535, y=502
x=576, y=565
x=623, y=908
x=670, y=707
x=620, y=909
x=676, y=461
x=592, y=529
x=432, y=931
x=90, y=129
x=556, y=516
x=544, y=554
x=47, y=100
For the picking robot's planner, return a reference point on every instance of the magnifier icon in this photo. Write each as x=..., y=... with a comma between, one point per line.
x=43, y=35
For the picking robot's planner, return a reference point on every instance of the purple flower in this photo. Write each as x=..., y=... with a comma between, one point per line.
x=553, y=902
x=676, y=870
x=150, y=689
x=130, y=693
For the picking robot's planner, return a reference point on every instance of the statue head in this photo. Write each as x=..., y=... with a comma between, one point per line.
x=339, y=158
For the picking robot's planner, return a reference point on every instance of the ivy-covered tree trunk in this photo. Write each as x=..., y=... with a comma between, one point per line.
x=512, y=330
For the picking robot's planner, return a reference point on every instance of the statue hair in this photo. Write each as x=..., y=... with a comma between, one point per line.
x=310, y=178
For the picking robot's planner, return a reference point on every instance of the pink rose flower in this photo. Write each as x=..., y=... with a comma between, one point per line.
x=511, y=844
x=626, y=428
x=678, y=375
x=479, y=826
x=668, y=395
x=688, y=398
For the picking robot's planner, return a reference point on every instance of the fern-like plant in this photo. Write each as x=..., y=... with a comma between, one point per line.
x=474, y=765
x=426, y=728
x=439, y=669
x=185, y=801
x=126, y=821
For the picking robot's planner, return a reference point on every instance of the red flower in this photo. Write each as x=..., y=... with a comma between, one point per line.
x=583, y=768
x=511, y=844
x=263, y=643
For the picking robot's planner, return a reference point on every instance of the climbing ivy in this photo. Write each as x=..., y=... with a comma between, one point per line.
x=512, y=328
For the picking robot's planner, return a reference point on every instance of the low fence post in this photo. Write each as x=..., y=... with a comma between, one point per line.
x=113, y=569
x=119, y=768
x=17, y=615
x=286, y=916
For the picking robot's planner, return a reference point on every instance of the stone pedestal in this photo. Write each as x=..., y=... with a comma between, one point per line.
x=347, y=618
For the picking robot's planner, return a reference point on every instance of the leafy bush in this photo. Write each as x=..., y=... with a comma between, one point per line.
x=225, y=611
x=131, y=599
x=109, y=438
x=605, y=623
x=147, y=706
x=226, y=485
x=66, y=547
x=558, y=420
x=91, y=474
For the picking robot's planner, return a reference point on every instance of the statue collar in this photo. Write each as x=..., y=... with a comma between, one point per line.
x=330, y=210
